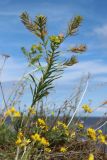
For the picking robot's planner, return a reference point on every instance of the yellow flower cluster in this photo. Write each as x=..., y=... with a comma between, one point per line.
x=42, y=124
x=99, y=131
x=59, y=123
x=21, y=140
x=91, y=133
x=63, y=149
x=37, y=138
x=102, y=138
x=44, y=142
x=32, y=110
x=91, y=156
x=61, y=126
x=96, y=135
x=38, y=47
x=57, y=39
x=12, y=112
x=20, y=135
x=87, y=108
x=80, y=125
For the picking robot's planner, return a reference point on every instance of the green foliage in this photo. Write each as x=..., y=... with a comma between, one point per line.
x=6, y=135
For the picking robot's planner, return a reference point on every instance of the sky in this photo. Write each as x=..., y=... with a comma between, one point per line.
x=93, y=33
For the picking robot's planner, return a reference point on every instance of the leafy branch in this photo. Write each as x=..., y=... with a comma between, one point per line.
x=48, y=51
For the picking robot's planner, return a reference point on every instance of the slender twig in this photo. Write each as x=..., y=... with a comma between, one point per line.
x=1, y=70
x=79, y=102
x=23, y=153
x=19, y=82
x=3, y=95
x=101, y=126
x=17, y=154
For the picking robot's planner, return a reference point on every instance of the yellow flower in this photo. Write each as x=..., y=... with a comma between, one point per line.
x=99, y=131
x=25, y=142
x=36, y=137
x=28, y=141
x=59, y=123
x=63, y=149
x=38, y=47
x=8, y=113
x=33, y=47
x=44, y=128
x=18, y=141
x=87, y=108
x=20, y=135
x=16, y=114
x=80, y=125
x=55, y=39
x=22, y=143
x=21, y=140
x=12, y=110
x=55, y=128
x=65, y=126
x=44, y=142
x=32, y=110
x=91, y=156
x=102, y=139
x=61, y=126
x=41, y=122
x=47, y=150
x=91, y=133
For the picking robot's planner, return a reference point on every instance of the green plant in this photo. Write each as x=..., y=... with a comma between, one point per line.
x=33, y=136
x=48, y=51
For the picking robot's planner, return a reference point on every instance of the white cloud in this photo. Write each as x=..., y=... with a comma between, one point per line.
x=95, y=68
x=101, y=31
x=13, y=70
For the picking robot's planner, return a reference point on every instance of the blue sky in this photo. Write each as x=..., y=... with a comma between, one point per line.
x=93, y=33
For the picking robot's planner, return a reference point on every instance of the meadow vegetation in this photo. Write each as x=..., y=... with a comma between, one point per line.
x=34, y=134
